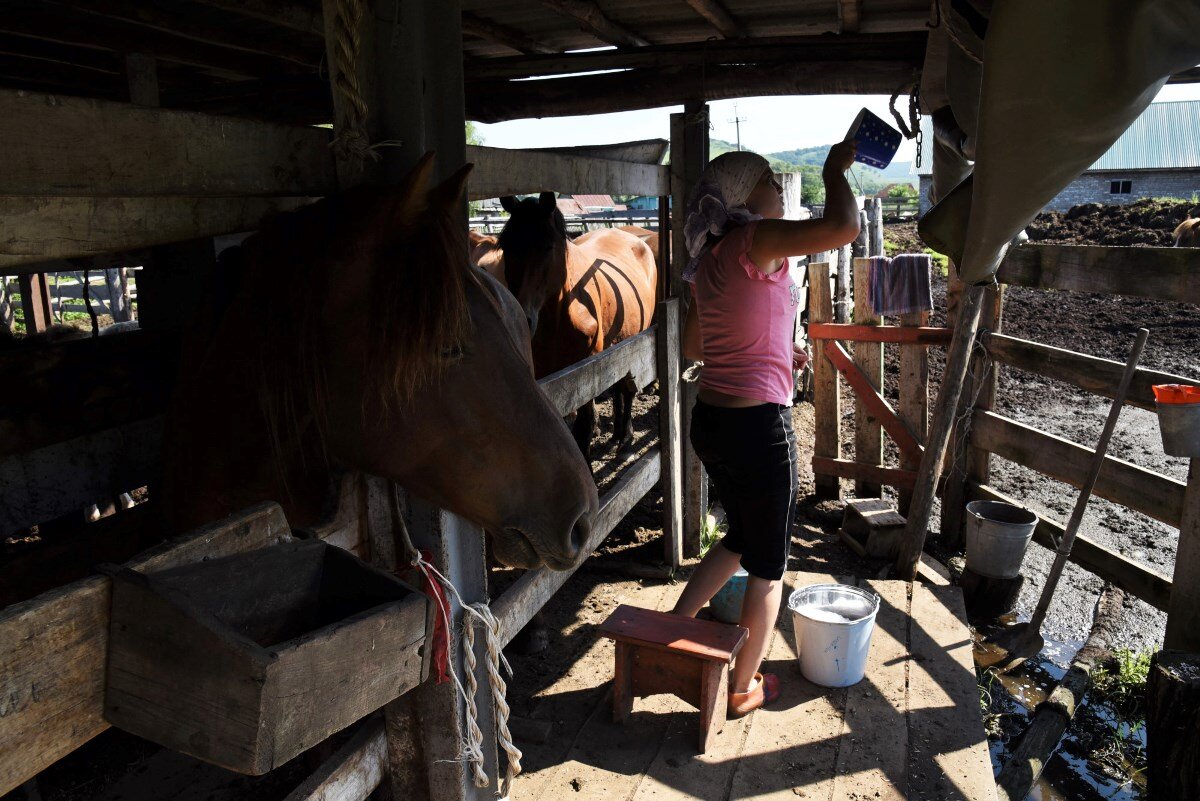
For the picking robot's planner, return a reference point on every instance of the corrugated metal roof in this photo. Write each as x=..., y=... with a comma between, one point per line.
x=1165, y=137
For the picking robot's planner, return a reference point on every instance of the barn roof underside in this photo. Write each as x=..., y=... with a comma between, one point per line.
x=265, y=59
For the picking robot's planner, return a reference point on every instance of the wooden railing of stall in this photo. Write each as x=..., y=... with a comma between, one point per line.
x=58, y=202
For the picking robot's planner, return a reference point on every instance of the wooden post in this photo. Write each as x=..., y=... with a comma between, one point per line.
x=939, y=436
x=117, y=284
x=841, y=288
x=35, y=302
x=1172, y=737
x=877, y=228
x=868, y=433
x=689, y=155
x=663, y=256
x=410, y=78
x=913, y=407
x=669, y=437
x=1183, y=619
x=967, y=462
x=6, y=310
x=826, y=402
x=862, y=243
x=176, y=278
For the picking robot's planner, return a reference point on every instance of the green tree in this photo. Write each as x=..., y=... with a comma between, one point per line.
x=901, y=191
x=473, y=135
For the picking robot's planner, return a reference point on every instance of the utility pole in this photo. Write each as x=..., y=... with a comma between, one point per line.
x=737, y=122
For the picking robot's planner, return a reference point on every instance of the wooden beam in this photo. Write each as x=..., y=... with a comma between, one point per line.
x=1092, y=373
x=689, y=155
x=757, y=50
x=1161, y=273
x=929, y=472
x=596, y=22
x=138, y=150
x=496, y=101
x=909, y=335
x=296, y=16
x=827, y=438
x=69, y=26
x=718, y=17
x=878, y=406
x=1100, y=560
x=1137, y=488
x=913, y=405
x=55, y=647
x=520, y=602
x=643, y=151
x=39, y=229
x=849, y=14
x=476, y=25
x=847, y=468
x=573, y=386
x=352, y=773
x=868, y=357
x=1183, y=618
x=299, y=51
x=668, y=328
x=500, y=172
x=128, y=376
x=35, y=303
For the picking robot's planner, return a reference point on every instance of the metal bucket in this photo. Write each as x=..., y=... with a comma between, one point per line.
x=832, y=624
x=1179, y=424
x=997, y=536
x=726, y=605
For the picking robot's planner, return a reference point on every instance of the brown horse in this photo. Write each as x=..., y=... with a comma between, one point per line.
x=487, y=255
x=358, y=337
x=1187, y=233
x=580, y=297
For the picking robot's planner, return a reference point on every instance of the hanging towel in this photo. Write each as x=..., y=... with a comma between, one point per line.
x=901, y=285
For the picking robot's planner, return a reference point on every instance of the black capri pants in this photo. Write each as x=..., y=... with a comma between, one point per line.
x=750, y=455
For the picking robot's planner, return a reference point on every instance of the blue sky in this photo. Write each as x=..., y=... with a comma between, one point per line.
x=771, y=123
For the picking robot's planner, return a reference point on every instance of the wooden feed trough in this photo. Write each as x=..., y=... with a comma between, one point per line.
x=248, y=660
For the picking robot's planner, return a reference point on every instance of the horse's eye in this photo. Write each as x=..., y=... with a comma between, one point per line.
x=452, y=353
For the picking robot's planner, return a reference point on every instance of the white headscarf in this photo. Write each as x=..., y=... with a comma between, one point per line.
x=718, y=203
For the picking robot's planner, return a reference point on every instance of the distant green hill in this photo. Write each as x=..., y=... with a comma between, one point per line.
x=808, y=160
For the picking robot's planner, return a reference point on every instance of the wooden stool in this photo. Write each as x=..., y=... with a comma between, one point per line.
x=661, y=653
x=872, y=528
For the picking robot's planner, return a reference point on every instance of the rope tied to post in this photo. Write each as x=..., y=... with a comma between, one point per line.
x=479, y=612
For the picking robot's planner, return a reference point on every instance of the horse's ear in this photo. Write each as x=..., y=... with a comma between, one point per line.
x=509, y=203
x=450, y=192
x=546, y=201
x=415, y=186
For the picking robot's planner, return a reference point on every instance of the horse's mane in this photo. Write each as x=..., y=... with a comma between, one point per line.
x=415, y=306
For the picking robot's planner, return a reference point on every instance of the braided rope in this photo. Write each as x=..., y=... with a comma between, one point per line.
x=351, y=139
x=954, y=37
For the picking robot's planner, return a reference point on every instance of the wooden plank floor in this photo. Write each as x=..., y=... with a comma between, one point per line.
x=910, y=730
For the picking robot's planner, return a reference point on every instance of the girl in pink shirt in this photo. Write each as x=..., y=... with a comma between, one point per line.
x=740, y=325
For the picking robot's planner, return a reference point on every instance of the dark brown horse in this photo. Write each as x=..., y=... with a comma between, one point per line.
x=359, y=337
x=580, y=297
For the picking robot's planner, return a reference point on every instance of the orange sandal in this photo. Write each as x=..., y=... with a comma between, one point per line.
x=765, y=691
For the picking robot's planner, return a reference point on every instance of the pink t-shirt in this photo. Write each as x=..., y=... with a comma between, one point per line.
x=747, y=319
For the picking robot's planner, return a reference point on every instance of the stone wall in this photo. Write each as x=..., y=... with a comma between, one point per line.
x=1094, y=187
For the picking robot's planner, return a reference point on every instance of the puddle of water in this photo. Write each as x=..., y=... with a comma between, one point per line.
x=1075, y=772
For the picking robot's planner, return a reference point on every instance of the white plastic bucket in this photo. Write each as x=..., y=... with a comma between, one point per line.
x=997, y=535
x=833, y=625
